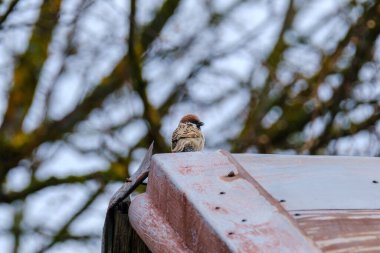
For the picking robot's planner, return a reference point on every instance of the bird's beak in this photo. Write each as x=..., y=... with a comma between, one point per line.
x=200, y=123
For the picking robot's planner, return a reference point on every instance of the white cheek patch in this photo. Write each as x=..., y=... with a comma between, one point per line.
x=191, y=124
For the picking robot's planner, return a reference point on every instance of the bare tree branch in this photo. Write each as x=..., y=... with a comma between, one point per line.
x=10, y=9
x=63, y=232
x=28, y=69
x=151, y=31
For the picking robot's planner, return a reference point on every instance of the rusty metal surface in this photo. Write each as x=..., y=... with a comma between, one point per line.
x=242, y=172
x=336, y=200
x=317, y=182
x=274, y=203
x=152, y=227
x=337, y=231
x=212, y=212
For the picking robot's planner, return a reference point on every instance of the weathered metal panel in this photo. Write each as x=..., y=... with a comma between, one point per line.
x=274, y=203
x=342, y=230
x=317, y=182
x=213, y=212
x=153, y=228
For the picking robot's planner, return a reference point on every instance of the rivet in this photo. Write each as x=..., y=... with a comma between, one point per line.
x=231, y=174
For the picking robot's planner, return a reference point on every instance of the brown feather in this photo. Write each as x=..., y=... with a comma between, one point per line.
x=189, y=118
x=187, y=136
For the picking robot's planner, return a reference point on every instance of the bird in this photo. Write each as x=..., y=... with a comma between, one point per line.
x=188, y=137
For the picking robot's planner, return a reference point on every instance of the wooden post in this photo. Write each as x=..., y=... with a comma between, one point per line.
x=118, y=234
x=125, y=238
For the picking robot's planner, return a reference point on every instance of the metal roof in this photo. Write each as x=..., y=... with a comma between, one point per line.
x=215, y=202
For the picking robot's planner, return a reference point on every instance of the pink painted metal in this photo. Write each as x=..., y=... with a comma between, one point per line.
x=317, y=182
x=200, y=204
x=353, y=231
x=149, y=223
x=210, y=202
x=335, y=200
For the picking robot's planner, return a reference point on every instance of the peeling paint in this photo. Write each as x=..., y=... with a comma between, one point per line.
x=295, y=203
x=342, y=230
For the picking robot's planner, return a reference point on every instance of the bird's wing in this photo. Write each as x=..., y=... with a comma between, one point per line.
x=185, y=131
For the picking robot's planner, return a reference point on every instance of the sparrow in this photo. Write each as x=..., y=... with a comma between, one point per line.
x=188, y=137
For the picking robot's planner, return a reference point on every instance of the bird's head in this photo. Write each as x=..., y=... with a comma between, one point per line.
x=192, y=119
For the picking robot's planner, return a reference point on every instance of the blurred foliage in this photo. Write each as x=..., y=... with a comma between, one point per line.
x=301, y=92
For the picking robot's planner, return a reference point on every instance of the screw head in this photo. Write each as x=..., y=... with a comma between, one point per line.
x=231, y=174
